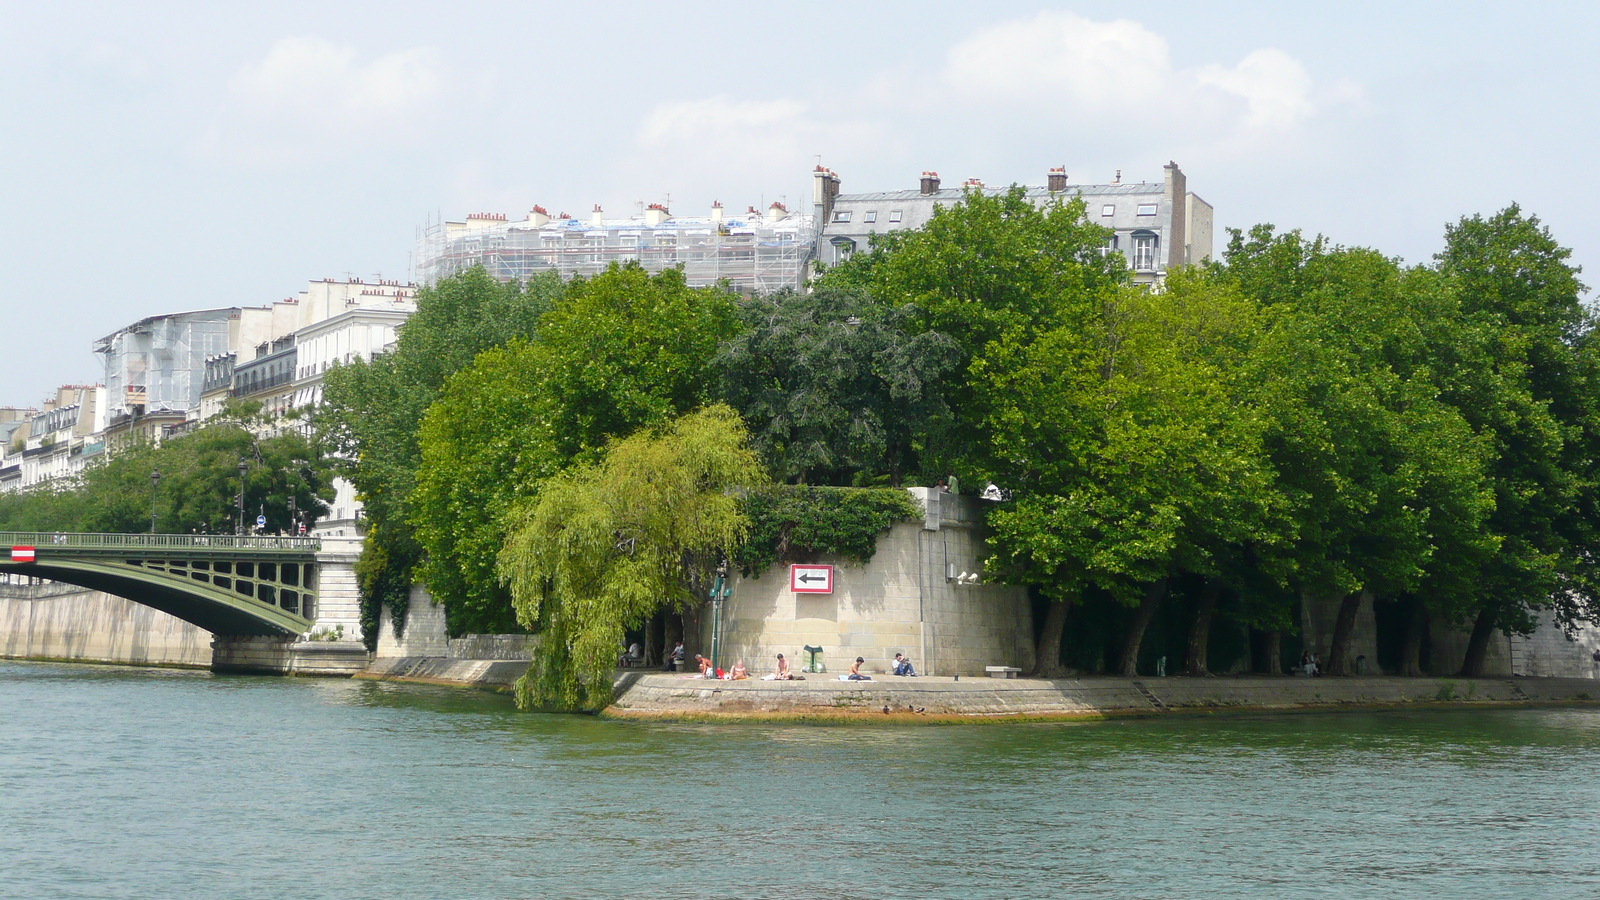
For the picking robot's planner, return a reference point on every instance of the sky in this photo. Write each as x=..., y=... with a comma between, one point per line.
x=161, y=157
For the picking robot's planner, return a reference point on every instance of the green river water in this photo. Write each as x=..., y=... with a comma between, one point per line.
x=167, y=784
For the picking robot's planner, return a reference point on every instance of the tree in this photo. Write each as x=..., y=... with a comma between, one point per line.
x=989, y=274
x=605, y=545
x=617, y=352
x=1385, y=480
x=835, y=386
x=372, y=411
x=1532, y=393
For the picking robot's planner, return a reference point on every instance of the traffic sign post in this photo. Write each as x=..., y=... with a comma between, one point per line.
x=811, y=579
x=261, y=521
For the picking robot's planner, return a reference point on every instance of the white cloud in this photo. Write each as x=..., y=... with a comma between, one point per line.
x=1122, y=72
x=1275, y=86
x=1055, y=53
x=733, y=147
x=310, y=98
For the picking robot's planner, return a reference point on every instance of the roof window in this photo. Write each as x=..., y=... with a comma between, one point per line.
x=870, y=216
x=841, y=215
x=1147, y=209
x=1110, y=209
x=894, y=216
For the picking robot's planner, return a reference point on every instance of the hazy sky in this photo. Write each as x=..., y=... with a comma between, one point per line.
x=159, y=157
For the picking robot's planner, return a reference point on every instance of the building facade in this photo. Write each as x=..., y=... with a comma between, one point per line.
x=1156, y=226
x=757, y=252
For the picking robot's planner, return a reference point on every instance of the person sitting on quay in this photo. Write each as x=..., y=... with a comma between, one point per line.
x=704, y=665
x=855, y=671
x=739, y=672
x=902, y=666
x=674, y=658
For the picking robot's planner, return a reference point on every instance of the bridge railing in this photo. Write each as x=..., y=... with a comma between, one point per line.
x=69, y=540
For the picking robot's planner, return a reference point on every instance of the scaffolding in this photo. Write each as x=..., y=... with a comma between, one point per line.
x=158, y=363
x=753, y=254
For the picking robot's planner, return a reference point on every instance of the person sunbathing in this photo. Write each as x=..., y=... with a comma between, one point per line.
x=739, y=672
x=855, y=671
x=783, y=673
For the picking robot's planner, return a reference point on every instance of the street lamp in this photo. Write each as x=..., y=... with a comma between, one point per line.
x=244, y=468
x=155, y=482
x=720, y=589
x=293, y=516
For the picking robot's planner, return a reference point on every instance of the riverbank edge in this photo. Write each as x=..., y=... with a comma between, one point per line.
x=673, y=698
x=96, y=661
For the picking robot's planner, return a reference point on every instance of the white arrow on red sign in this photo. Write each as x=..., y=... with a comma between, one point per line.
x=811, y=579
x=21, y=554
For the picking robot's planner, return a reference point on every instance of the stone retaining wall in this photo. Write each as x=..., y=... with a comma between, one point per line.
x=55, y=621
x=675, y=697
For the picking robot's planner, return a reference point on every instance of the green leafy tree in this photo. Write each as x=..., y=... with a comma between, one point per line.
x=618, y=352
x=989, y=274
x=1534, y=393
x=372, y=411
x=835, y=386
x=605, y=545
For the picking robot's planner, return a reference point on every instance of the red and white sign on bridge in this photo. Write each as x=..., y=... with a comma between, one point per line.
x=21, y=554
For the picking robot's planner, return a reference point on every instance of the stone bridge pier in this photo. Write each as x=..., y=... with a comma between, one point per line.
x=332, y=647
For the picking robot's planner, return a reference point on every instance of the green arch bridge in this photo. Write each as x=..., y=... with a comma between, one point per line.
x=225, y=584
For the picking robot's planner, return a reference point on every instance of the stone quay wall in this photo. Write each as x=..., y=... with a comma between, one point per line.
x=55, y=621
x=903, y=601
x=679, y=698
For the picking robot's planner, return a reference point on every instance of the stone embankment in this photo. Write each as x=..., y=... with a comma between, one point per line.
x=672, y=697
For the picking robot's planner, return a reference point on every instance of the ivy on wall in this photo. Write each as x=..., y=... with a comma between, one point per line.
x=796, y=522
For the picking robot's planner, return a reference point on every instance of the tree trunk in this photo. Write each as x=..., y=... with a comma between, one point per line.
x=691, y=630
x=1047, y=658
x=1272, y=651
x=1128, y=660
x=1343, y=628
x=1194, y=660
x=653, y=626
x=1411, y=647
x=1478, y=646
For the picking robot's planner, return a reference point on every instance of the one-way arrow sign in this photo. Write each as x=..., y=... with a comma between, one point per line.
x=811, y=579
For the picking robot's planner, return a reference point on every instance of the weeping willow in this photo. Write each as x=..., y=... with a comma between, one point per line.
x=605, y=546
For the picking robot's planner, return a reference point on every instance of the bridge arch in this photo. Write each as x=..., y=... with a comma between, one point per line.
x=225, y=584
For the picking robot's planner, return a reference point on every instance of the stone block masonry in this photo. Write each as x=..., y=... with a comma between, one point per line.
x=73, y=623
x=903, y=601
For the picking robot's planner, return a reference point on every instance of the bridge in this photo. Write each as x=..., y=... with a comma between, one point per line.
x=228, y=585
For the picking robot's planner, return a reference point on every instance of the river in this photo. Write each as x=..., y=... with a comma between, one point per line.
x=146, y=783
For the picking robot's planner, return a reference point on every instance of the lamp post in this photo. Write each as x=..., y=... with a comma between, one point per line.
x=244, y=468
x=155, y=482
x=294, y=517
x=720, y=589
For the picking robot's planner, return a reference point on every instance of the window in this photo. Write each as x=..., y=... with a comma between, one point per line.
x=1110, y=209
x=894, y=217
x=1144, y=252
x=1147, y=209
x=841, y=215
x=870, y=216
x=842, y=248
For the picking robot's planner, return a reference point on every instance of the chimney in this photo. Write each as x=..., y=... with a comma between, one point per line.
x=973, y=184
x=598, y=217
x=1176, y=191
x=716, y=212
x=1057, y=181
x=930, y=182
x=655, y=214
x=824, y=188
x=1118, y=179
x=538, y=216
x=776, y=212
